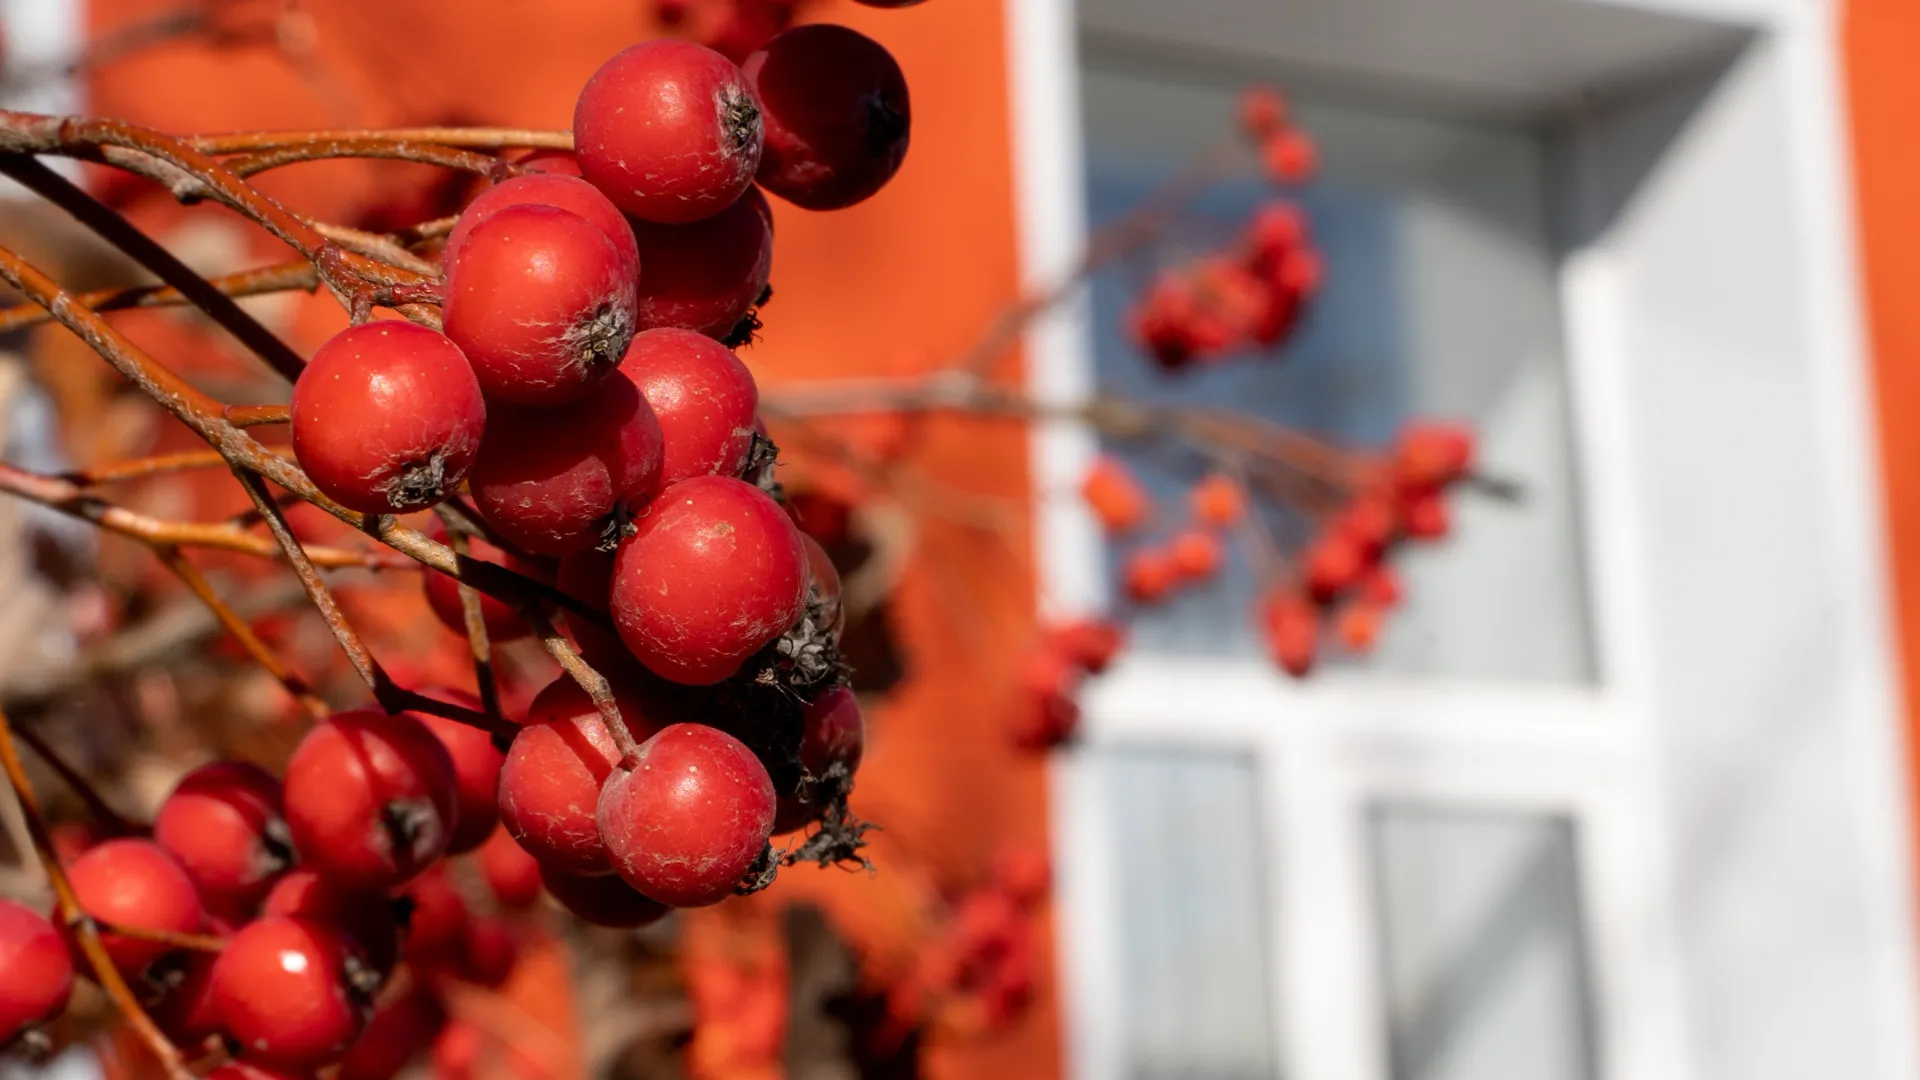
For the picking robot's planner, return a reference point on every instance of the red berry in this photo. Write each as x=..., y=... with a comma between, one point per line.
x=1425, y=516
x=588, y=576
x=224, y=826
x=704, y=397
x=367, y=917
x=456, y=1051
x=691, y=818
x=542, y=303
x=1090, y=643
x=1196, y=554
x=245, y=1070
x=1332, y=565
x=669, y=130
x=443, y=593
x=136, y=884
x=1023, y=873
x=387, y=417
x=1114, y=496
x=490, y=951
x=602, y=901
x=826, y=584
x=436, y=922
x=1149, y=575
x=836, y=112
x=399, y=1030
x=560, y=162
x=36, y=972
x=294, y=993
x=1380, y=586
x=511, y=874
x=371, y=799
x=1292, y=626
x=1262, y=111
x=707, y=275
x=551, y=781
x=713, y=573
x=547, y=188
x=187, y=1011
x=476, y=771
x=833, y=733
x=551, y=480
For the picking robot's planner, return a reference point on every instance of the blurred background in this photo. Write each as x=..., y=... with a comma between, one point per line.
x=1621, y=793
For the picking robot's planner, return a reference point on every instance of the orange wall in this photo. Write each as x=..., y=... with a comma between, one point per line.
x=1881, y=40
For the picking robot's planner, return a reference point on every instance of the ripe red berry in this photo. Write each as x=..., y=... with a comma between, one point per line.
x=367, y=917
x=387, y=417
x=542, y=303
x=512, y=875
x=547, y=188
x=669, y=130
x=551, y=481
x=837, y=115
x=372, y=799
x=714, y=572
x=399, y=1030
x=246, y=1070
x=1115, y=497
x=1149, y=575
x=1331, y=565
x=294, y=993
x=602, y=901
x=457, y=1050
x=36, y=972
x=551, y=781
x=224, y=826
x=1090, y=643
x=489, y=952
x=136, y=884
x=691, y=818
x=561, y=162
x=707, y=275
x=1196, y=554
x=1262, y=111
x=704, y=397
x=833, y=733
x=1023, y=873
x=187, y=1010
x=437, y=921
x=476, y=771
x=826, y=584
x=443, y=593
x=1292, y=627
x=588, y=576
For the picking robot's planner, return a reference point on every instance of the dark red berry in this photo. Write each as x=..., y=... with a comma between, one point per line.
x=387, y=417
x=490, y=951
x=186, y=1008
x=36, y=973
x=547, y=188
x=367, y=917
x=541, y=303
x=833, y=738
x=551, y=480
x=703, y=396
x=294, y=993
x=511, y=874
x=706, y=276
x=136, y=884
x=588, y=577
x=713, y=573
x=836, y=112
x=476, y=770
x=372, y=799
x=437, y=921
x=603, y=901
x=400, y=1030
x=691, y=818
x=443, y=593
x=669, y=130
x=224, y=825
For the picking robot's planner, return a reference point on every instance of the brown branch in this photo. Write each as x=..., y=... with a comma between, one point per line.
x=469, y=138
x=285, y=277
x=172, y=939
x=253, y=164
x=107, y=223
x=86, y=933
x=478, y=643
x=246, y=416
x=230, y=620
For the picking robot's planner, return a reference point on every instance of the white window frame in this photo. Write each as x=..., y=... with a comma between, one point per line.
x=1598, y=754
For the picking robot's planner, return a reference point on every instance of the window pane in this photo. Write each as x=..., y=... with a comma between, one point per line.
x=1486, y=977
x=1440, y=300
x=1192, y=909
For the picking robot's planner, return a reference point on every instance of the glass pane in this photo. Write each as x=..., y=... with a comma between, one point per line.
x=1440, y=300
x=1486, y=977
x=1192, y=907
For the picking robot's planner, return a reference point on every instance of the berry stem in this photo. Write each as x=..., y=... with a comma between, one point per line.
x=171, y=939
x=477, y=138
x=285, y=277
x=246, y=416
x=478, y=644
x=85, y=933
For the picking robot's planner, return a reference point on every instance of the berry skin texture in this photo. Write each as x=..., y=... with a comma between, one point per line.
x=294, y=993
x=550, y=480
x=557, y=189
x=669, y=130
x=691, y=818
x=837, y=115
x=541, y=303
x=704, y=397
x=136, y=884
x=443, y=593
x=476, y=770
x=714, y=572
x=223, y=825
x=602, y=901
x=706, y=276
x=36, y=972
x=365, y=916
x=551, y=781
x=372, y=799
x=387, y=417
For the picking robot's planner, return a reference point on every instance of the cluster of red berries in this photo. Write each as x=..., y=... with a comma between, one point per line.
x=1046, y=709
x=1343, y=580
x=988, y=955
x=1287, y=153
x=735, y=28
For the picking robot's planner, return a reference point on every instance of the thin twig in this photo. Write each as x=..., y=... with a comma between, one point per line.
x=470, y=138
x=286, y=277
x=97, y=806
x=197, y=583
